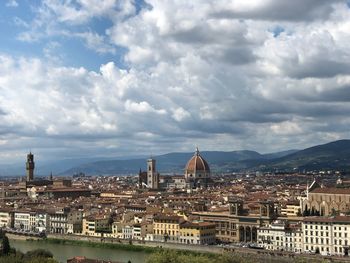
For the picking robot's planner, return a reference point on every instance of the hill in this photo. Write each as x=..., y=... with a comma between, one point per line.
x=171, y=162
x=329, y=156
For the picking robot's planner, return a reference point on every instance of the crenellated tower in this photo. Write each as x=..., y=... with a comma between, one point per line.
x=30, y=165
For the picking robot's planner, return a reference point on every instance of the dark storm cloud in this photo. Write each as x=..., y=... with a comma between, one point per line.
x=318, y=68
x=277, y=10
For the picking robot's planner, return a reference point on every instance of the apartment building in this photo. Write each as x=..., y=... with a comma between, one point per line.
x=166, y=228
x=326, y=235
x=282, y=236
x=197, y=233
x=6, y=218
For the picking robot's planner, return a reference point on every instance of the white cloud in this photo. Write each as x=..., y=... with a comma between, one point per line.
x=141, y=107
x=286, y=128
x=96, y=42
x=180, y=114
x=11, y=3
x=215, y=63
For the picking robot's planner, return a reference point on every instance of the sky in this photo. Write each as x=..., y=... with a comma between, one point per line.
x=86, y=78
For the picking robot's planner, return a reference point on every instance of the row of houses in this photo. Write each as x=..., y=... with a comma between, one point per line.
x=132, y=225
x=61, y=221
x=324, y=235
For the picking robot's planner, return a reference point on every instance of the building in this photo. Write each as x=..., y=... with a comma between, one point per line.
x=291, y=209
x=96, y=225
x=22, y=220
x=239, y=224
x=279, y=235
x=42, y=222
x=173, y=182
x=30, y=165
x=197, y=175
x=6, y=218
x=197, y=233
x=59, y=221
x=75, y=221
x=197, y=171
x=152, y=175
x=127, y=231
x=166, y=228
x=325, y=201
x=150, y=178
x=327, y=235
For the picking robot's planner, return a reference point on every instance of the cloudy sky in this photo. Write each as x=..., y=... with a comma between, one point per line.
x=130, y=77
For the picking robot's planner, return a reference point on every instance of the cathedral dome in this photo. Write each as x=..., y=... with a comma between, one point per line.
x=197, y=164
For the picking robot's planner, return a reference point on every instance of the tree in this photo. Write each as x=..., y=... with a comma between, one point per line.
x=299, y=212
x=38, y=253
x=5, y=245
x=312, y=211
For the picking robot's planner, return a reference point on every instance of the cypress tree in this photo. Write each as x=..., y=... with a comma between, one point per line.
x=5, y=245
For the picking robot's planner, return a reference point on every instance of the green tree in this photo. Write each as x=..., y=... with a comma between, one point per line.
x=38, y=253
x=5, y=245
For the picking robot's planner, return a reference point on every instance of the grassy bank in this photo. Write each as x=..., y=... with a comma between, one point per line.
x=120, y=246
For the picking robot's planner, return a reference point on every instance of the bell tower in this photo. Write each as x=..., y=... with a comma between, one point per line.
x=30, y=165
x=152, y=175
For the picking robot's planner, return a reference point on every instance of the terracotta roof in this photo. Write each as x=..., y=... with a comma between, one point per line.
x=333, y=219
x=331, y=190
x=197, y=163
x=197, y=224
x=88, y=260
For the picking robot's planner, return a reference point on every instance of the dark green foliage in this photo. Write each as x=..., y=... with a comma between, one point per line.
x=5, y=245
x=35, y=256
x=172, y=256
x=42, y=253
x=120, y=246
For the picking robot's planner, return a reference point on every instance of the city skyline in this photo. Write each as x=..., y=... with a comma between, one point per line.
x=128, y=78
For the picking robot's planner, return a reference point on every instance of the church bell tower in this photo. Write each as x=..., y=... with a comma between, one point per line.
x=152, y=175
x=30, y=167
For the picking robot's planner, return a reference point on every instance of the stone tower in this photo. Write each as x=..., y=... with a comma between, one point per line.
x=30, y=167
x=152, y=175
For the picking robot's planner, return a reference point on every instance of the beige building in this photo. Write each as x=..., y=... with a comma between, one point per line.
x=197, y=233
x=291, y=209
x=326, y=201
x=95, y=225
x=166, y=228
x=239, y=224
x=6, y=218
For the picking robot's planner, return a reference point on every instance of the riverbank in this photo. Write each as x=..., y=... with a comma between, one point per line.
x=118, y=246
x=21, y=237
x=149, y=247
x=62, y=252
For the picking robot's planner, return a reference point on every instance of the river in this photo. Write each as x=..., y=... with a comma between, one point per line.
x=64, y=252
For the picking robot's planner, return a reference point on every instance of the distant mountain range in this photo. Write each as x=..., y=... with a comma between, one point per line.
x=333, y=155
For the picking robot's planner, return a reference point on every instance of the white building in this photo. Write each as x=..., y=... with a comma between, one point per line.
x=326, y=235
x=42, y=223
x=127, y=232
x=281, y=236
x=59, y=222
x=6, y=218
x=22, y=220
x=272, y=237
